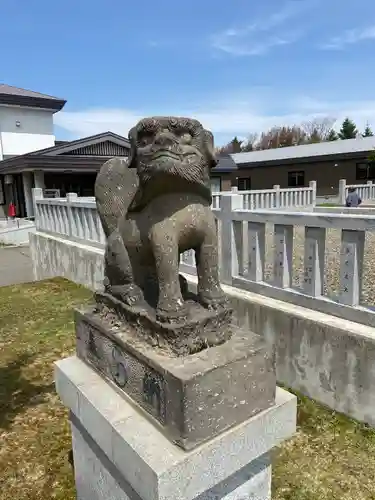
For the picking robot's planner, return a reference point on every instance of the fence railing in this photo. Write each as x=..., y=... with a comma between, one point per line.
x=76, y=216
x=365, y=191
x=71, y=217
x=242, y=249
x=279, y=198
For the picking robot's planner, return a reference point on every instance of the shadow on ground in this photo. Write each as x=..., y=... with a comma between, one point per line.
x=16, y=392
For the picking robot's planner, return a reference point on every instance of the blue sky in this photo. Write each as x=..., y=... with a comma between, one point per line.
x=238, y=66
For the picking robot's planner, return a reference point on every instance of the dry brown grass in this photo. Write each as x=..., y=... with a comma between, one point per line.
x=329, y=458
x=36, y=329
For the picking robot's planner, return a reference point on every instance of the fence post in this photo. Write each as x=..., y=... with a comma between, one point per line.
x=228, y=203
x=37, y=194
x=312, y=184
x=276, y=187
x=369, y=190
x=342, y=191
x=71, y=198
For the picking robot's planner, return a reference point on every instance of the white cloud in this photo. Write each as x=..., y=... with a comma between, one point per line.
x=350, y=37
x=239, y=118
x=258, y=37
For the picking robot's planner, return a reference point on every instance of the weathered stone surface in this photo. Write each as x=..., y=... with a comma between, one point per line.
x=153, y=208
x=201, y=328
x=133, y=452
x=194, y=397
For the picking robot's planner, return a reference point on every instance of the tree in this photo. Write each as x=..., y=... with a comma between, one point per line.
x=250, y=143
x=234, y=146
x=348, y=129
x=314, y=137
x=367, y=132
x=279, y=137
x=318, y=129
x=332, y=135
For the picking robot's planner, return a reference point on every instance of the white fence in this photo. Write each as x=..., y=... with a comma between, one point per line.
x=242, y=249
x=77, y=218
x=274, y=198
x=242, y=252
x=279, y=198
x=74, y=217
x=365, y=191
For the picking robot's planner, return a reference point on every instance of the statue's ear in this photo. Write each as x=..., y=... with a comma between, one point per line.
x=210, y=149
x=132, y=136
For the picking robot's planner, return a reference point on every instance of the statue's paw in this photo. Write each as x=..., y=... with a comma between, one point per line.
x=130, y=295
x=213, y=299
x=169, y=313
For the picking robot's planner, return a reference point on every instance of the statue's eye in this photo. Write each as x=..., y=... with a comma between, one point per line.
x=186, y=137
x=144, y=140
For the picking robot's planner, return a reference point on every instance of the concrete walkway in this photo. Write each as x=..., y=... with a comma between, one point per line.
x=15, y=266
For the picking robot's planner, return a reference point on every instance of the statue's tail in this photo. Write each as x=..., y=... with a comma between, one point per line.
x=115, y=187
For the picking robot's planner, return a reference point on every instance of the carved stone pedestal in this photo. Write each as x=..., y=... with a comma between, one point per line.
x=192, y=398
x=120, y=454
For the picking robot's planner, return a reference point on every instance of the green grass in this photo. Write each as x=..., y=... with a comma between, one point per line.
x=328, y=205
x=330, y=457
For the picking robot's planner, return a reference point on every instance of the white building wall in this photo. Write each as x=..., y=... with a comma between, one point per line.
x=23, y=130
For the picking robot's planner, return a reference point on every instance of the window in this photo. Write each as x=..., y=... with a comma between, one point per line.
x=244, y=184
x=296, y=179
x=215, y=184
x=365, y=171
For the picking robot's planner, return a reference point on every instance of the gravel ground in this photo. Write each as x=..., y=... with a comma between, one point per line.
x=332, y=262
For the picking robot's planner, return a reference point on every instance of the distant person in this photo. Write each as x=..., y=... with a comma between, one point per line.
x=353, y=199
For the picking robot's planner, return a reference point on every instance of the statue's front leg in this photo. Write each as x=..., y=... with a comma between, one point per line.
x=164, y=245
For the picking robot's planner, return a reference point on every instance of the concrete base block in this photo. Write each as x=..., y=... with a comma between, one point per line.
x=120, y=454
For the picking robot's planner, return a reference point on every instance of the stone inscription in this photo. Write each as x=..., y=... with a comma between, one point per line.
x=152, y=392
x=119, y=370
x=144, y=385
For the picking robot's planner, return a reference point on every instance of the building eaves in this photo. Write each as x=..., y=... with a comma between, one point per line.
x=225, y=164
x=322, y=149
x=22, y=97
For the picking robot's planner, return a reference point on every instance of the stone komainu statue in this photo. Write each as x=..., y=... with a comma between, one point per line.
x=154, y=206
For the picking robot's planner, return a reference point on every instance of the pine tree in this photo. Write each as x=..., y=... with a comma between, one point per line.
x=348, y=130
x=367, y=132
x=332, y=136
x=236, y=145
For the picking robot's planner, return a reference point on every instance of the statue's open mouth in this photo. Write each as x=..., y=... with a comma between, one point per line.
x=174, y=156
x=166, y=154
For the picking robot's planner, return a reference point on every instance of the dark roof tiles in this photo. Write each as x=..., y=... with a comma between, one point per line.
x=16, y=91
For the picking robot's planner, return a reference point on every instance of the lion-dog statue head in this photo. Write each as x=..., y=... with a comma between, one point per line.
x=171, y=154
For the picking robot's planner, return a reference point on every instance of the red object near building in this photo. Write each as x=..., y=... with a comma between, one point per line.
x=12, y=210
